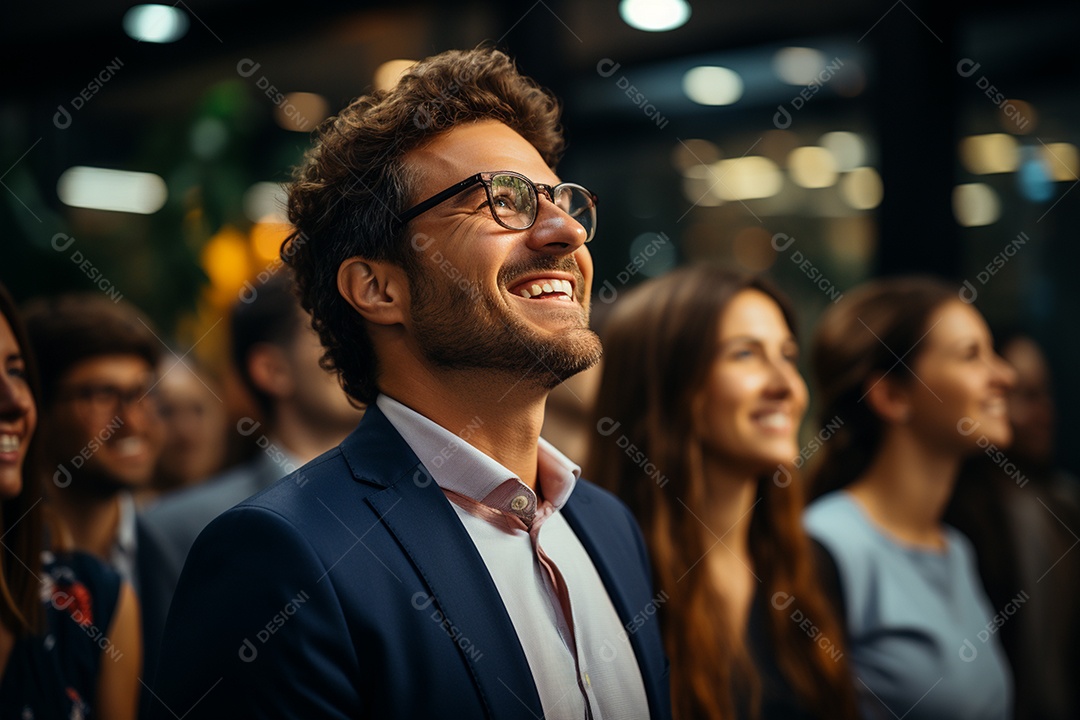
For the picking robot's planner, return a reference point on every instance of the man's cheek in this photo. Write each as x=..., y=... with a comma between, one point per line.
x=585, y=264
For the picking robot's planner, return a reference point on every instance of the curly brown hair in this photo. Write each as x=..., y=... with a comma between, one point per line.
x=353, y=183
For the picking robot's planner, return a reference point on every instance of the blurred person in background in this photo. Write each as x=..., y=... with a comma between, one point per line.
x=909, y=374
x=304, y=413
x=69, y=626
x=102, y=436
x=1019, y=509
x=196, y=426
x=697, y=424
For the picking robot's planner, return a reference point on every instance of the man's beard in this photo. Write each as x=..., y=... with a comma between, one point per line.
x=460, y=325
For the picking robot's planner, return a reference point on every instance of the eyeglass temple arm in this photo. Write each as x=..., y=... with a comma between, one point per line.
x=436, y=199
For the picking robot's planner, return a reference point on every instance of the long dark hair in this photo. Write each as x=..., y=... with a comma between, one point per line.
x=22, y=517
x=659, y=344
x=856, y=340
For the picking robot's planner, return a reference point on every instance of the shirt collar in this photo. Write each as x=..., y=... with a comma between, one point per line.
x=460, y=467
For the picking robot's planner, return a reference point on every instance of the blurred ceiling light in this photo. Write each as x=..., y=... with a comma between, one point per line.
x=688, y=153
x=812, y=167
x=697, y=186
x=975, y=205
x=301, y=111
x=225, y=259
x=712, y=85
x=1062, y=161
x=1018, y=116
x=387, y=74
x=265, y=201
x=155, y=23
x=266, y=239
x=862, y=188
x=654, y=15
x=746, y=178
x=798, y=65
x=116, y=190
x=987, y=154
x=847, y=148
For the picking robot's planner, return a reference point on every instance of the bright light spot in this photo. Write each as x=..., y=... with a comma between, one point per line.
x=746, y=178
x=847, y=148
x=155, y=23
x=862, y=188
x=1062, y=161
x=798, y=65
x=1018, y=116
x=265, y=201
x=387, y=74
x=812, y=167
x=975, y=205
x=301, y=111
x=209, y=136
x=116, y=190
x=697, y=186
x=987, y=154
x=712, y=85
x=689, y=153
x=225, y=259
x=654, y=15
x=657, y=254
x=266, y=239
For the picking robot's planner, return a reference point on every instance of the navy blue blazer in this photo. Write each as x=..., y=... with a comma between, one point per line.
x=350, y=589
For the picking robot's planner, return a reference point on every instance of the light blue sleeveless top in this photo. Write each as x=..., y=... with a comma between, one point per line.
x=918, y=621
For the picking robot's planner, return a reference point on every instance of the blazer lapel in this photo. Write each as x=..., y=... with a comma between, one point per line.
x=415, y=511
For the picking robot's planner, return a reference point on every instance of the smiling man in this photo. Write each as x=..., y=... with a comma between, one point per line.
x=444, y=560
x=102, y=436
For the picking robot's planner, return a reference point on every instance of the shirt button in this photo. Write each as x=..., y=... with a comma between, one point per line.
x=519, y=503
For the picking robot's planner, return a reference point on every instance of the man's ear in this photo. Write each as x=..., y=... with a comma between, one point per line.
x=378, y=290
x=269, y=370
x=889, y=398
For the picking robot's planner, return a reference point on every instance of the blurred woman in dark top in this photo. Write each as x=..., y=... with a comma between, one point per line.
x=697, y=418
x=69, y=637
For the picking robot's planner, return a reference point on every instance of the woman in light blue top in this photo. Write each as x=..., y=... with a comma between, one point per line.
x=909, y=387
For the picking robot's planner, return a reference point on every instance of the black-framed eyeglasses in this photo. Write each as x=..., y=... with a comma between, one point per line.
x=111, y=398
x=514, y=200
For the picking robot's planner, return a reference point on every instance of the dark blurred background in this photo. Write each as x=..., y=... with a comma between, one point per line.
x=822, y=143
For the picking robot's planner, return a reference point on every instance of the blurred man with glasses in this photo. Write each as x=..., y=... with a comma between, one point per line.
x=102, y=436
x=444, y=560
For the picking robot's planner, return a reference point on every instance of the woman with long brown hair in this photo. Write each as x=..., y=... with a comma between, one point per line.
x=907, y=373
x=69, y=635
x=697, y=417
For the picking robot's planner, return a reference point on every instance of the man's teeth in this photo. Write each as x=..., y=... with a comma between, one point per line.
x=997, y=406
x=548, y=286
x=9, y=443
